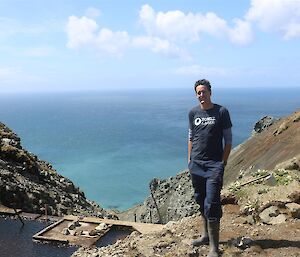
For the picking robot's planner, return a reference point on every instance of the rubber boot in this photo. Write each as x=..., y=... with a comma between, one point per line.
x=213, y=234
x=203, y=240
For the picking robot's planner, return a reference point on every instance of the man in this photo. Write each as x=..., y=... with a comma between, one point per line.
x=209, y=124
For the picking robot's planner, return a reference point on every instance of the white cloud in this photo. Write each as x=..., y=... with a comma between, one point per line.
x=85, y=32
x=241, y=34
x=112, y=42
x=177, y=26
x=167, y=33
x=281, y=16
x=80, y=31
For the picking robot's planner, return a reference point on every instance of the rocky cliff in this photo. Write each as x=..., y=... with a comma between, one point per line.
x=170, y=199
x=30, y=184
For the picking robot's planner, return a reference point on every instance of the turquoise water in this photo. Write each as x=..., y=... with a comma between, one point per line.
x=111, y=144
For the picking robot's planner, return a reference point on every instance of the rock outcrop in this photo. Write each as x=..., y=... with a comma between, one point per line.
x=263, y=124
x=170, y=199
x=30, y=184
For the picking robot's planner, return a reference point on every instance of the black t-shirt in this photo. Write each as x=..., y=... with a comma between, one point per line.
x=206, y=127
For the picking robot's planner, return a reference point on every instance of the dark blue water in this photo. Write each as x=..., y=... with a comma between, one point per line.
x=111, y=144
x=16, y=241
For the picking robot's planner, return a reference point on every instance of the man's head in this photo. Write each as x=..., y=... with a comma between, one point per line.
x=203, y=93
x=202, y=82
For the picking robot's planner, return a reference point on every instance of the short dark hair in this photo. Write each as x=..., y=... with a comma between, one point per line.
x=203, y=82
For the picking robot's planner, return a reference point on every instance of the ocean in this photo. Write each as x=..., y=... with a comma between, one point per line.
x=112, y=143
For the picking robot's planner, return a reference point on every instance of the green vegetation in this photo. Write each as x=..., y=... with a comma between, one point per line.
x=234, y=187
x=283, y=177
x=251, y=207
x=260, y=173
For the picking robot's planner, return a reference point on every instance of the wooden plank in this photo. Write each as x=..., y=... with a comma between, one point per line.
x=44, y=238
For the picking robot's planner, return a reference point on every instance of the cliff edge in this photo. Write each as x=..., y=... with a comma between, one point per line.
x=31, y=184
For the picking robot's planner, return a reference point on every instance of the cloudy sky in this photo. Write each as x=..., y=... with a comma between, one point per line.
x=71, y=45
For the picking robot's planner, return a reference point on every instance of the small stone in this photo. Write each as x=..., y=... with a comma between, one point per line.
x=65, y=231
x=101, y=226
x=281, y=218
x=294, y=209
x=93, y=232
x=71, y=226
x=266, y=214
x=250, y=220
x=72, y=232
x=295, y=197
x=242, y=242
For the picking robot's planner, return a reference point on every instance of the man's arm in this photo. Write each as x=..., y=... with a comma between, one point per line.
x=227, y=134
x=190, y=143
x=189, y=150
x=227, y=150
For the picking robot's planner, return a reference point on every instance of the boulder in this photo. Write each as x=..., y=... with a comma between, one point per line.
x=294, y=209
x=268, y=213
x=263, y=124
x=281, y=218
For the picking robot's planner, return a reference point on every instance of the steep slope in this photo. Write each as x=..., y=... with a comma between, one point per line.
x=276, y=144
x=32, y=185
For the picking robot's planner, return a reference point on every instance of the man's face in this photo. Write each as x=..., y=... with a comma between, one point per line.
x=203, y=94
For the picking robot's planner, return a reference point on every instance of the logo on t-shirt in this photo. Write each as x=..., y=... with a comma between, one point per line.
x=205, y=121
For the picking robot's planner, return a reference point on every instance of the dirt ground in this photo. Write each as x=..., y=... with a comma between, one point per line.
x=268, y=240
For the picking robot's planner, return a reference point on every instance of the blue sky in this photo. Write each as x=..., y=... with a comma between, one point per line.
x=64, y=45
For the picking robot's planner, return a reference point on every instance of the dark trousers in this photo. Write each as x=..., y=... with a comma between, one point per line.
x=207, y=182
